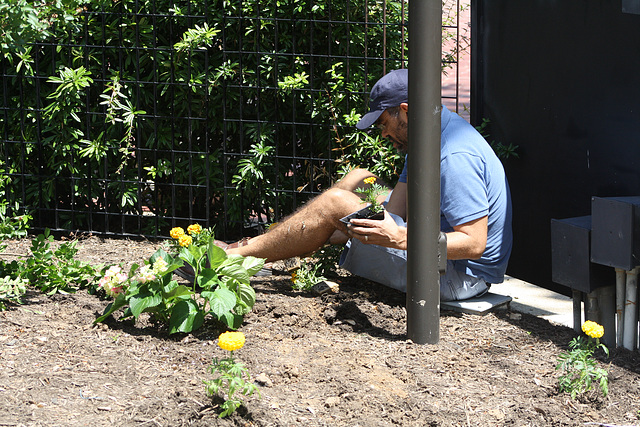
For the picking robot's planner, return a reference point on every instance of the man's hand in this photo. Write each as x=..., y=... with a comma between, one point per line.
x=383, y=232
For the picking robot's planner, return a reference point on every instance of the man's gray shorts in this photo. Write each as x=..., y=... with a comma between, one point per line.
x=388, y=267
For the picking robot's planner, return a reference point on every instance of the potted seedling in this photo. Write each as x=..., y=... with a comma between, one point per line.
x=370, y=193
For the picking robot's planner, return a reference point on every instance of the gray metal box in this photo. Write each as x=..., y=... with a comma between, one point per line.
x=570, y=256
x=615, y=237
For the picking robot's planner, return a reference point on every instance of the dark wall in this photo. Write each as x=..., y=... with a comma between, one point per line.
x=561, y=79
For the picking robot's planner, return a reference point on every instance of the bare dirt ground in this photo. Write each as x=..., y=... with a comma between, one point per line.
x=333, y=360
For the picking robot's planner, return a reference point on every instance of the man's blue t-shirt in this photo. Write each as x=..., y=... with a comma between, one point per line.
x=473, y=184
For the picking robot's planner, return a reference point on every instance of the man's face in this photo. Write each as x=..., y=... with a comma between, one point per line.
x=394, y=128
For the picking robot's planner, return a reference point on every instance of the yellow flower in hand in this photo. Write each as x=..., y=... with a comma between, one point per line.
x=176, y=232
x=370, y=180
x=593, y=329
x=194, y=229
x=231, y=340
x=185, y=240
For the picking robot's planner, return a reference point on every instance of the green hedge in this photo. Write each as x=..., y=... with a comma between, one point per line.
x=132, y=117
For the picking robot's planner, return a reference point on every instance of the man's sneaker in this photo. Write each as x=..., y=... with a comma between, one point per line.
x=266, y=270
x=187, y=273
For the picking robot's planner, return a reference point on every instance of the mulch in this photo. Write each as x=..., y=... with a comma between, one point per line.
x=340, y=359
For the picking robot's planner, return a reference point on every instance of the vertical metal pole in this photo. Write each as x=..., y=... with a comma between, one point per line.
x=630, y=328
x=423, y=287
x=477, y=66
x=621, y=278
x=577, y=310
x=592, y=309
x=607, y=305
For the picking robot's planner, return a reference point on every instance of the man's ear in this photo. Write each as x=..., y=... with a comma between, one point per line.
x=404, y=107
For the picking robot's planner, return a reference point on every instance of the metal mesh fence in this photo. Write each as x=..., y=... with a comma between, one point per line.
x=152, y=114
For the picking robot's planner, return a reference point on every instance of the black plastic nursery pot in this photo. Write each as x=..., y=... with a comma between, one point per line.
x=364, y=213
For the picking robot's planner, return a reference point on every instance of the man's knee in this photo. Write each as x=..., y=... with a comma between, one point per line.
x=353, y=179
x=340, y=202
x=358, y=175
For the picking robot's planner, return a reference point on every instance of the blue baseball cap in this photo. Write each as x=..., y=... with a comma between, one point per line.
x=390, y=91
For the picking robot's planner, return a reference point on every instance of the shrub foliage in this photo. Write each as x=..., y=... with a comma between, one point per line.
x=131, y=117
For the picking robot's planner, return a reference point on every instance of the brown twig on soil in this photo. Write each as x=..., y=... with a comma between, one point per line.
x=8, y=254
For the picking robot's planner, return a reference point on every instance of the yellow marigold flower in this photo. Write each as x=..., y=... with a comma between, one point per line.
x=593, y=329
x=185, y=240
x=176, y=232
x=294, y=277
x=194, y=229
x=231, y=340
x=370, y=180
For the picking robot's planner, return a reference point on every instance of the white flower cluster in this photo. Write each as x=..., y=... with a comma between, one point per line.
x=148, y=272
x=145, y=274
x=160, y=267
x=113, y=281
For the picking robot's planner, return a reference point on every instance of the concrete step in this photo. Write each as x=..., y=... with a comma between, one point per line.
x=532, y=299
x=519, y=296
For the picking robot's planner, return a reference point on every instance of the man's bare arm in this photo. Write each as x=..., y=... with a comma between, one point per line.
x=468, y=241
x=398, y=201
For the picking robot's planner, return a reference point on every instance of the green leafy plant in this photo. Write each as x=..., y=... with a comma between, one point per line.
x=55, y=270
x=297, y=81
x=326, y=259
x=581, y=371
x=197, y=38
x=366, y=150
x=48, y=270
x=371, y=192
x=77, y=114
x=306, y=276
x=11, y=291
x=13, y=227
x=222, y=281
x=501, y=150
x=119, y=110
x=231, y=375
x=254, y=178
x=25, y=21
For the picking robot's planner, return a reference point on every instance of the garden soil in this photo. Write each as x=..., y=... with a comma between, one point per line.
x=338, y=359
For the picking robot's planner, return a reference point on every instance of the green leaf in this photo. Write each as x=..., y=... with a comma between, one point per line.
x=247, y=296
x=160, y=253
x=208, y=279
x=133, y=269
x=234, y=271
x=253, y=264
x=185, y=317
x=142, y=301
x=197, y=252
x=220, y=301
x=233, y=321
x=187, y=256
x=119, y=302
x=168, y=285
x=216, y=255
x=180, y=292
